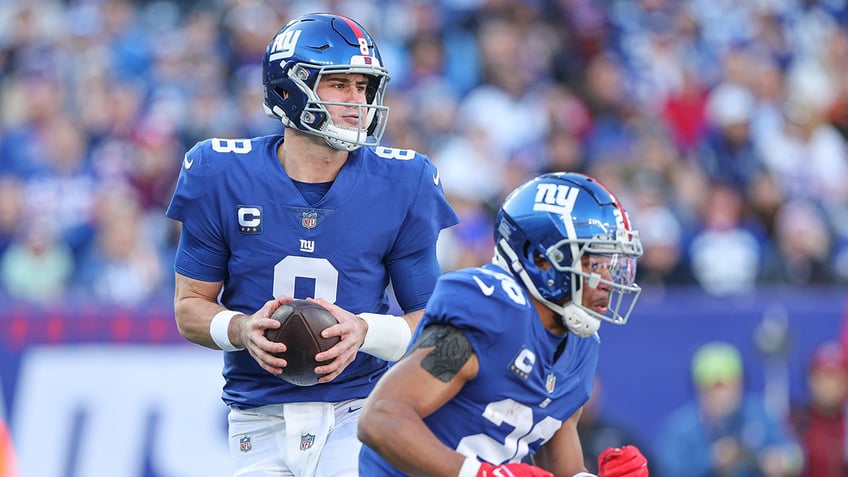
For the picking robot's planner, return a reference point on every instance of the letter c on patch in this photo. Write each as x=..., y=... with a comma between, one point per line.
x=249, y=216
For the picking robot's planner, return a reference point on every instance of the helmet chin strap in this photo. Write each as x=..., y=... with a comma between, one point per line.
x=573, y=316
x=578, y=321
x=337, y=141
x=342, y=138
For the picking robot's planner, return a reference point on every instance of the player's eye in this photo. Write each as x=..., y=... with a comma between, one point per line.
x=598, y=266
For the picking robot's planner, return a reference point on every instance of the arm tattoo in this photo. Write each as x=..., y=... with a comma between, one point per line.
x=450, y=352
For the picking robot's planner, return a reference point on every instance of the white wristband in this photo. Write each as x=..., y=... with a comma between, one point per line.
x=469, y=468
x=387, y=336
x=584, y=474
x=219, y=329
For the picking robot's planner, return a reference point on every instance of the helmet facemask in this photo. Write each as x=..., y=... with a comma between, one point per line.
x=315, y=117
x=609, y=263
x=563, y=235
x=304, y=52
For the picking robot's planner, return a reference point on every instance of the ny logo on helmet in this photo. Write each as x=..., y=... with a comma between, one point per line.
x=284, y=45
x=555, y=198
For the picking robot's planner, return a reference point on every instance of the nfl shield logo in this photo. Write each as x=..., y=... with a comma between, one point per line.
x=306, y=441
x=309, y=219
x=244, y=444
x=550, y=383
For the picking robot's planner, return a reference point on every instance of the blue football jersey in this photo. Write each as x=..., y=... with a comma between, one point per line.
x=255, y=232
x=523, y=391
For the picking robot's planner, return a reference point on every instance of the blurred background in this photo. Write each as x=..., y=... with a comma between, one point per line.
x=722, y=125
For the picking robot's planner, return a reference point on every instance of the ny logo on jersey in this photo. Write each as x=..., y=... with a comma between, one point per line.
x=307, y=246
x=555, y=198
x=250, y=219
x=523, y=363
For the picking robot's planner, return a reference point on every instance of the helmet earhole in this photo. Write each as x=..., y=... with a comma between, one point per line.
x=301, y=73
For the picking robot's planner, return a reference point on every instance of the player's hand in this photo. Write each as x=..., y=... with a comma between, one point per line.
x=626, y=461
x=351, y=330
x=515, y=469
x=251, y=335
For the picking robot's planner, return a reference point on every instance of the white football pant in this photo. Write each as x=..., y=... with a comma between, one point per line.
x=296, y=440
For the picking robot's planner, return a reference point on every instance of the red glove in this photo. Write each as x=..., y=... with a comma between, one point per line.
x=514, y=469
x=625, y=461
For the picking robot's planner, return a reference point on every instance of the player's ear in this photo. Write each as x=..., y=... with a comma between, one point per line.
x=540, y=261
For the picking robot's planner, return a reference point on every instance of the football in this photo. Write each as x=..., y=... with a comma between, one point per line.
x=301, y=323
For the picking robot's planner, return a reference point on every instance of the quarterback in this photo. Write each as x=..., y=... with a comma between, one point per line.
x=321, y=212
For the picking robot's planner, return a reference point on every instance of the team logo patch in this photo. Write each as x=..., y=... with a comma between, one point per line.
x=306, y=441
x=309, y=219
x=245, y=445
x=550, y=383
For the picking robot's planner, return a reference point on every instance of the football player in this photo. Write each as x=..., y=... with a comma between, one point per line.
x=505, y=355
x=324, y=213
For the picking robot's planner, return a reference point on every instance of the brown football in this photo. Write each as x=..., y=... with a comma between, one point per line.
x=301, y=324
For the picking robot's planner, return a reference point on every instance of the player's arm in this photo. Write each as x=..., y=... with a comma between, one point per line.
x=436, y=368
x=382, y=335
x=202, y=320
x=195, y=303
x=413, y=279
x=563, y=454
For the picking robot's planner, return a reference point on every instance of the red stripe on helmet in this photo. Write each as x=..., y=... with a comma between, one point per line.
x=353, y=26
x=624, y=219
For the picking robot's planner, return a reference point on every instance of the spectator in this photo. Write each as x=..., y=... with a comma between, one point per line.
x=662, y=238
x=36, y=268
x=724, y=430
x=726, y=238
x=820, y=421
x=508, y=107
x=684, y=110
x=727, y=153
x=11, y=208
x=527, y=87
x=802, y=246
x=121, y=266
x=807, y=154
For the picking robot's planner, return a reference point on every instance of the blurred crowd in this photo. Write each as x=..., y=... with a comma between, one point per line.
x=723, y=124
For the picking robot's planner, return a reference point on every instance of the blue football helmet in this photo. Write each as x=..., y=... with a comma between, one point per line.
x=575, y=224
x=301, y=53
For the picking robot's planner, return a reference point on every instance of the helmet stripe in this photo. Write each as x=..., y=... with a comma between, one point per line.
x=353, y=26
x=624, y=218
x=364, y=46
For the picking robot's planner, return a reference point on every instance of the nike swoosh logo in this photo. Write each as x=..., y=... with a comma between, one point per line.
x=487, y=290
x=187, y=163
x=436, y=178
x=353, y=409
